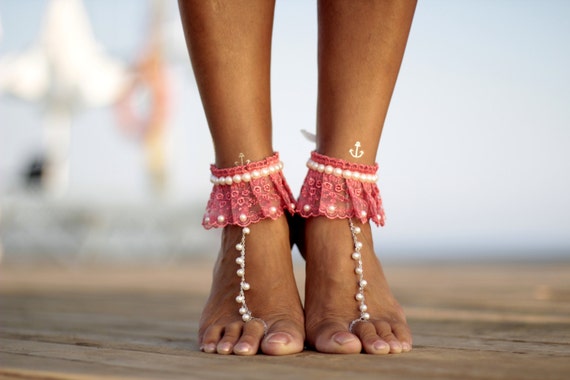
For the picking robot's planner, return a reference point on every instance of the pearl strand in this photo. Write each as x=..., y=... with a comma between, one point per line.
x=243, y=286
x=247, y=176
x=339, y=172
x=357, y=257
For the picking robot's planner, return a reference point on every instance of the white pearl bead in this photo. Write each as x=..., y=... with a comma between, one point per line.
x=359, y=296
x=293, y=206
x=222, y=181
x=245, y=286
x=240, y=299
x=358, y=270
x=347, y=174
x=357, y=230
x=272, y=169
x=237, y=178
x=239, y=260
x=356, y=256
x=365, y=316
x=242, y=310
x=207, y=220
x=363, y=308
x=213, y=179
x=246, y=230
x=265, y=172
x=374, y=178
x=329, y=169
x=280, y=165
x=239, y=246
x=246, y=177
x=321, y=168
x=331, y=208
x=243, y=217
x=363, y=213
x=358, y=244
x=246, y=317
x=363, y=283
x=228, y=180
x=273, y=209
x=240, y=272
x=337, y=172
x=306, y=208
x=356, y=175
x=221, y=219
x=255, y=174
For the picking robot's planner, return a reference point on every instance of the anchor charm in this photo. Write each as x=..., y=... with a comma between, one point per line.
x=241, y=157
x=355, y=152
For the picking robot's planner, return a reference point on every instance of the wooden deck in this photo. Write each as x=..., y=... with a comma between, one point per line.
x=470, y=321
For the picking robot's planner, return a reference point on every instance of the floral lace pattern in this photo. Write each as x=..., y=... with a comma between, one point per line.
x=264, y=194
x=334, y=192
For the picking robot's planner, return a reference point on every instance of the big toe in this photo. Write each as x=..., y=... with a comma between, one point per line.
x=334, y=339
x=282, y=340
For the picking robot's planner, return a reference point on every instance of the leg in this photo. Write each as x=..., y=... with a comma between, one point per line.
x=361, y=45
x=229, y=44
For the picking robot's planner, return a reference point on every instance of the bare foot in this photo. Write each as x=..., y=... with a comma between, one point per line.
x=331, y=286
x=273, y=296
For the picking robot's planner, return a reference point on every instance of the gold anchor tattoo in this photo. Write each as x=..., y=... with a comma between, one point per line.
x=355, y=152
x=241, y=157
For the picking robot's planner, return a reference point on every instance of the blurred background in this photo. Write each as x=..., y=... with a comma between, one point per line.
x=105, y=152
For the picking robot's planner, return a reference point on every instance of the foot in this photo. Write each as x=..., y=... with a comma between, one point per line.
x=331, y=286
x=272, y=298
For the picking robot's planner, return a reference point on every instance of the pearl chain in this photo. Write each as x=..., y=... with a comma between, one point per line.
x=243, y=286
x=357, y=257
x=247, y=176
x=339, y=172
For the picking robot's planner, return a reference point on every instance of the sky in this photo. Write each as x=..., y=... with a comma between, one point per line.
x=474, y=155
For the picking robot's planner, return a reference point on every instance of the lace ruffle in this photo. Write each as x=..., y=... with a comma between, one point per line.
x=247, y=194
x=339, y=189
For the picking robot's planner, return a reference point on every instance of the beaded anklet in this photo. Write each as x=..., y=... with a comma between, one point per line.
x=243, y=195
x=339, y=189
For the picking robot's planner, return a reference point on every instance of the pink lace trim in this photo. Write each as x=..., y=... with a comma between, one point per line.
x=247, y=194
x=339, y=189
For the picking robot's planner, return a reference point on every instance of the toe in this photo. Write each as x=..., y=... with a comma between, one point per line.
x=248, y=343
x=404, y=335
x=232, y=333
x=371, y=342
x=283, y=339
x=209, y=340
x=334, y=338
x=384, y=331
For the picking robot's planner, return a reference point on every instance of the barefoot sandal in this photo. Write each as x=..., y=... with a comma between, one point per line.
x=243, y=195
x=338, y=189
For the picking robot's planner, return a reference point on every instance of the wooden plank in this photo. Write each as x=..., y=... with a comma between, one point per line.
x=470, y=322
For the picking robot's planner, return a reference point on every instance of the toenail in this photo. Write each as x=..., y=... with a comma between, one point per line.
x=278, y=338
x=224, y=347
x=395, y=346
x=406, y=347
x=209, y=348
x=242, y=348
x=343, y=338
x=380, y=345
